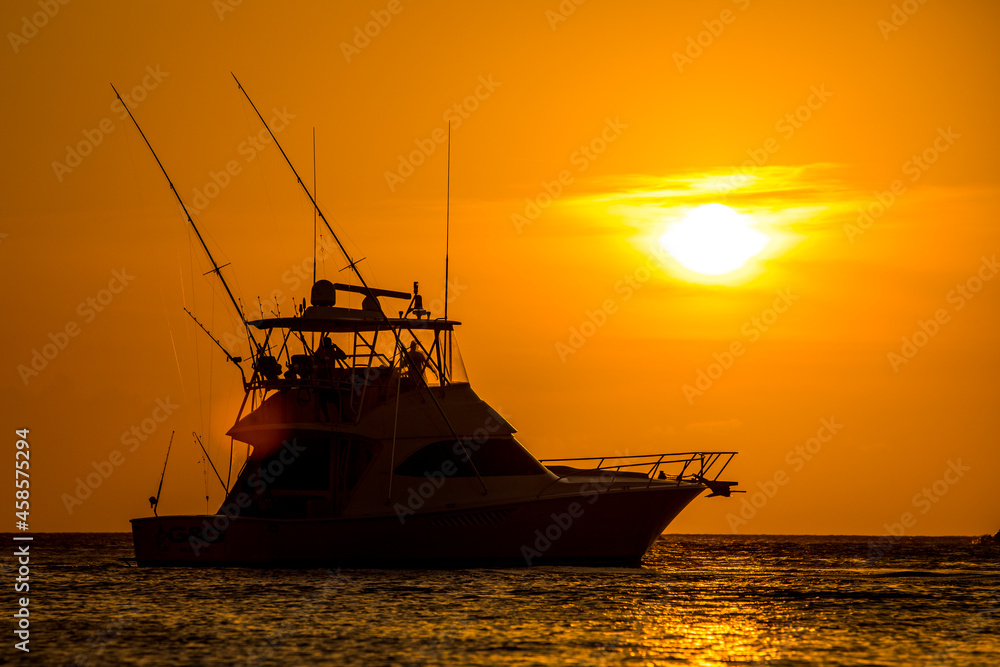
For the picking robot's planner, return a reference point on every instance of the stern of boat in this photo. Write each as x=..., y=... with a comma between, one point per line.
x=195, y=540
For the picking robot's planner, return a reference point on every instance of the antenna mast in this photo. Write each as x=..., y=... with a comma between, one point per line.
x=216, y=269
x=314, y=208
x=364, y=284
x=447, y=226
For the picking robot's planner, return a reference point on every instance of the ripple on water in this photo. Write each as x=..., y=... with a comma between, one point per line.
x=701, y=600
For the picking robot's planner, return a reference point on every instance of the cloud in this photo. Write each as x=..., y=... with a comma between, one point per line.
x=785, y=199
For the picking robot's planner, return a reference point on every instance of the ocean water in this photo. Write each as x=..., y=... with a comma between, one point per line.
x=698, y=600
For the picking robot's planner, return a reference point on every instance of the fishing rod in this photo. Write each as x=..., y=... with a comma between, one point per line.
x=154, y=501
x=235, y=360
x=216, y=269
x=361, y=279
x=198, y=440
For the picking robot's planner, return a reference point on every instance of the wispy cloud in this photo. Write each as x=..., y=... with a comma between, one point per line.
x=782, y=197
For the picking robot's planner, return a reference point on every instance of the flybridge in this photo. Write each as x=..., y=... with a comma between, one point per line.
x=323, y=315
x=329, y=347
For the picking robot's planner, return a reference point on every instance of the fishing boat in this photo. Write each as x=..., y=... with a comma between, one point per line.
x=368, y=447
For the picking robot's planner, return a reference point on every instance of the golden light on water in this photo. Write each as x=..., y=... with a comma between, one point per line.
x=714, y=240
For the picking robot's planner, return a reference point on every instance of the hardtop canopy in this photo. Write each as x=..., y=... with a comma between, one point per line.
x=336, y=319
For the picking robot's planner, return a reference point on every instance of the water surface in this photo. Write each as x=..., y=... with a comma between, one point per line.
x=699, y=600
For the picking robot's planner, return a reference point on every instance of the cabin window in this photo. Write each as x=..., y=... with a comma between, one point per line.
x=306, y=477
x=305, y=470
x=353, y=458
x=499, y=457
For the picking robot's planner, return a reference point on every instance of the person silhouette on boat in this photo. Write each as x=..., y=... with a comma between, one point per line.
x=417, y=359
x=329, y=352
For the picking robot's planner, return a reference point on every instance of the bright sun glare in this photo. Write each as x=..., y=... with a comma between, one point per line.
x=713, y=240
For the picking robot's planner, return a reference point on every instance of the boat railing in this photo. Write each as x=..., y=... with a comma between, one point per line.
x=677, y=467
x=340, y=381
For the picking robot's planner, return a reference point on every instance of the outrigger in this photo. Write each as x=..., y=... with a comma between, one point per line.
x=370, y=448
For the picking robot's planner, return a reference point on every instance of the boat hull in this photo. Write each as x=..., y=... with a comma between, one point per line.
x=609, y=528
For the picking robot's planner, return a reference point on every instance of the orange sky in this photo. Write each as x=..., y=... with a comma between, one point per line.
x=831, y=103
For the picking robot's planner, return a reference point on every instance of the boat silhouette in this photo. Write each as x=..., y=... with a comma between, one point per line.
x=370, y=448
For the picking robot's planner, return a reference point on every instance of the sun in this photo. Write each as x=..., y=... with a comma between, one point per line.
x=713, y=240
